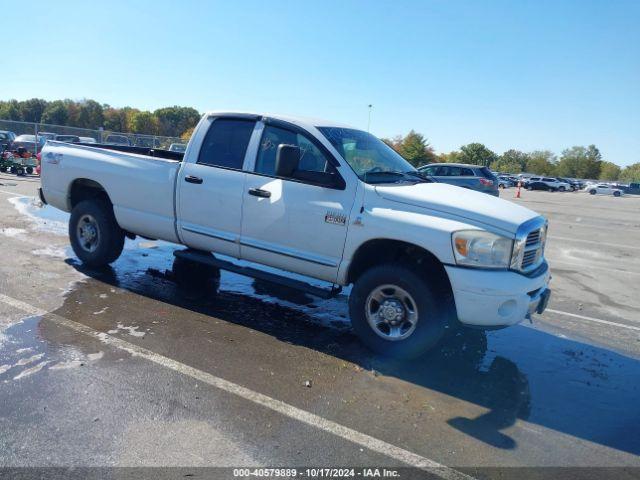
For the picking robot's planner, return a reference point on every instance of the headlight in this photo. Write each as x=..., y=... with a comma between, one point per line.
x=477, y=248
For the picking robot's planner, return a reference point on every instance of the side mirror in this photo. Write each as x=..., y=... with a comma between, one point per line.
x=287, y=160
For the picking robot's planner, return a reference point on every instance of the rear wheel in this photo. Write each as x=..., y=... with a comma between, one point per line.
x=616, y=194
x=95, y=235
x=29, y=170
x=562, y=189
x=592, y=192
x=394, y=312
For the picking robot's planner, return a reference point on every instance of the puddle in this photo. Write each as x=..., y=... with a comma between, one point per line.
x=45, y=218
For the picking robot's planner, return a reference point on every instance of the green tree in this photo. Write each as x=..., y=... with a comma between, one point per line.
x=511, y=161
x=90, y=114
x=580, y=162
x=631, y=173
x=10, y=110
x=477, y=154
x=114, y=119
x=451, y=157
x=415, y=149
x=541, y=162
x=609, y=171
x=144, y=122
x=56, y=113
x=31, y=110
x=172, y=121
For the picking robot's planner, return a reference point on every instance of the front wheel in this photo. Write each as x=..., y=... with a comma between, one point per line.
x=95, y=235
x=616, y=194
x=394, y=312
x=562, y=189
x=592, y=192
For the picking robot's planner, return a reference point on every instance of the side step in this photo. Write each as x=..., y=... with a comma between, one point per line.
x=203, y=257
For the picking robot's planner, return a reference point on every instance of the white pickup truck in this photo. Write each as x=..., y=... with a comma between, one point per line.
x=321, y=200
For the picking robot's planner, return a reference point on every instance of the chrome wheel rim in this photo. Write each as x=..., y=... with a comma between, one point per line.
x=391, y=312
x=88, y=233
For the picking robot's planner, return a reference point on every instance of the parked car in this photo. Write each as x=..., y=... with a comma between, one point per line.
x=87, y=140
x=473, y=177
x=632, y=188
x=47, y=135
x=318, y=199
x=177, y=147
x=147, y=142
x=573, y=184
x=117, y=140
x=68, y=138
x=604, y=189
x=505, y=182
x=6, y=137
x=546, y=183
x=29, y=142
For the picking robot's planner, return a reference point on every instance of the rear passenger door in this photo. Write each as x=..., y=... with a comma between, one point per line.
x=211, y=184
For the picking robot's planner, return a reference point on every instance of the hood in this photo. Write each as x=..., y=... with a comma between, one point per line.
x=463, y=204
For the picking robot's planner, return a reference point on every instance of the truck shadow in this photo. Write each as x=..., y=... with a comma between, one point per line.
x=581, y=390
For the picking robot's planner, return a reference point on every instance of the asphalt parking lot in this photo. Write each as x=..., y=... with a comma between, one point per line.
x=121, y=368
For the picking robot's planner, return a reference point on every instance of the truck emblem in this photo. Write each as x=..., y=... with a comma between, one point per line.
x=335, y=218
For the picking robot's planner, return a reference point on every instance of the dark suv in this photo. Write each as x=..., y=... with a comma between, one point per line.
x=474, y=177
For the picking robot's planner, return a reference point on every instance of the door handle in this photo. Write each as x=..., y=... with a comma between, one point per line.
x=257, y=192
x=192, y=179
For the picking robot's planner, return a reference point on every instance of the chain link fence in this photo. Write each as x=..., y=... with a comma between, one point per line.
x=86, y=135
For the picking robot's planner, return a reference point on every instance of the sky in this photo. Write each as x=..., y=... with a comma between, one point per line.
x=520, y=74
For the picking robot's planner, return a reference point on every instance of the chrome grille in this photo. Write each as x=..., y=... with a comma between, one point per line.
x=530, y=241
x=533, y=238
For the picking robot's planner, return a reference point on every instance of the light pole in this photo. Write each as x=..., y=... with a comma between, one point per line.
x=369, y=120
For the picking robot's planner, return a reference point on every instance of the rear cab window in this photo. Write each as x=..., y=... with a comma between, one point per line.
x=225, y=143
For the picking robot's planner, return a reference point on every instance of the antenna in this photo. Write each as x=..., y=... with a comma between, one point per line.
x=369, y=121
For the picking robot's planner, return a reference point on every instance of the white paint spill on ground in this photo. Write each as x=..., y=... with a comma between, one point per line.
x=4, y=368
x=103, y=295
x=47, y=219
x=65, y=365
x=99, y=312
x=23, y=350
x=130, y=330
x=50, y=252
x=12, y=232
x=30, y=371
x=25, y=361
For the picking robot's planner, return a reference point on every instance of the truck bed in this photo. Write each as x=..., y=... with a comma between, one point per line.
x=140, y=182
x=150, y=152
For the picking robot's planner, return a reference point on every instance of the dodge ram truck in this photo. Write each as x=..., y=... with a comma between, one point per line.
x=320, y=200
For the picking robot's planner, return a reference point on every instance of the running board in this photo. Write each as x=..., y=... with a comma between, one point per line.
x=207, y=259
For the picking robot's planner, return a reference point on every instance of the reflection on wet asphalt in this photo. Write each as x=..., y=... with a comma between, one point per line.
x=518, y=373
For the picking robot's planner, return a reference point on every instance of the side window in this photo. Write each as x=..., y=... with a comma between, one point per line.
x=429, y=170
x=311, y=158
x=466, y=172
x=549, y=180
x=454, y=172
x=225, y=144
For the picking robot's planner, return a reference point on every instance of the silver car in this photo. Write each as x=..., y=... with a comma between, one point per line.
x=474, y=177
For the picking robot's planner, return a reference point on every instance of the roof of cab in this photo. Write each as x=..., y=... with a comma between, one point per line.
x=303, y=122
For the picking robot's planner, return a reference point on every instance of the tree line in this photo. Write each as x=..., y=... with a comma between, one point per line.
x=168, y=121
x=574, y=162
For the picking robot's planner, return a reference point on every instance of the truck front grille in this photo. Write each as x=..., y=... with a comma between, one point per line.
x=532, y=246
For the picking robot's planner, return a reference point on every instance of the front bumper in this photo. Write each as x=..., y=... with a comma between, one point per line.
x=497, y=298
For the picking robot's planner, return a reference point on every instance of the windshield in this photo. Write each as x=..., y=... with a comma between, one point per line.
x=371, y=158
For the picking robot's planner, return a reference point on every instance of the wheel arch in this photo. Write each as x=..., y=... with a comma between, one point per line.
x=384, y=250
x=85, y=189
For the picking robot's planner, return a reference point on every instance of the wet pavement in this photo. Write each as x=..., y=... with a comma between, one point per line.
x=561, y=392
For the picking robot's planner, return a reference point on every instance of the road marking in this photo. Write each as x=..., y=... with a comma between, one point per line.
x=346, y=433
x=15, y=194
x=617, y=245
x=591, y=319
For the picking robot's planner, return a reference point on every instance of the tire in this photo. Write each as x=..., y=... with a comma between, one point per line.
x=616, y=194
x=13, y=169
x=3, y=169
x=430, y=323
x=592, y=192
x=562, y=189
x=29, y=170
x=106, y=244
x=20, y=171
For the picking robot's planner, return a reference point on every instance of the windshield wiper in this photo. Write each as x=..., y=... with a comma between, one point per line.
x=398, y=176
x=422, y=176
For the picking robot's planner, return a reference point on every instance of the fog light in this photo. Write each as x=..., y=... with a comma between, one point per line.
x=507, y=308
